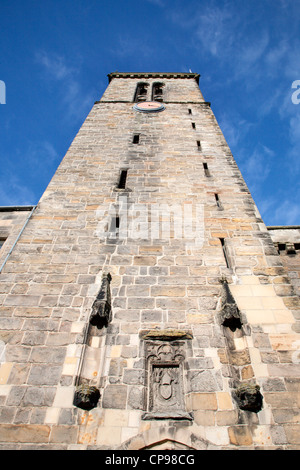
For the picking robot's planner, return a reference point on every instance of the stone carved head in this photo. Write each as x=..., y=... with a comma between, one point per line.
x=249, y=397
x=86, y=397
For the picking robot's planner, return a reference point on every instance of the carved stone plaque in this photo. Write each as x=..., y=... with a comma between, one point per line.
x=165, y=380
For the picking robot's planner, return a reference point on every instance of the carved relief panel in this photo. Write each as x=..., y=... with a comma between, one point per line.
x=164, y=362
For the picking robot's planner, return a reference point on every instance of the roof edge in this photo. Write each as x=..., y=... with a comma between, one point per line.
x=112, y=75
x=281, y=227
x=16, y=208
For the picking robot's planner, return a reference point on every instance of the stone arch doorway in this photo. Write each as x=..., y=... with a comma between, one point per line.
x=166, y=438
x=168, y=444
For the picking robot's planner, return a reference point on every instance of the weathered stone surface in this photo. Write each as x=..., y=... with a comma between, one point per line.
x=136, y=398
x=161, y=283
x=115, y=396
x=240, y=435
x=24, y=433
x=39, y=375
x=64, y=434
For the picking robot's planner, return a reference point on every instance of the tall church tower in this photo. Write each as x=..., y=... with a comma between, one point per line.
x=144, y=305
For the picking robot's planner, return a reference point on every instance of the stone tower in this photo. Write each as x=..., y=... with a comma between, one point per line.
x=145, y=305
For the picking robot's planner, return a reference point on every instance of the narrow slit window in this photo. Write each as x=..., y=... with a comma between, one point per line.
x=193, y=125
x=115, y=225
x=122, y=179
x=190, y=111
x=218, y=202
x=206, y=170
x=199, y=144
x=136, y=139
x=225, y=252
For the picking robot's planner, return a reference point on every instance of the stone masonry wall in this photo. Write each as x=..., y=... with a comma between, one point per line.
x=166, y=293
x=11, y=224
x=287, y=242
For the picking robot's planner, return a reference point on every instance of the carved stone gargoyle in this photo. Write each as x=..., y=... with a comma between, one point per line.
x=86, y=397
x=101, y=308
x=249, y=397
x=230, y=313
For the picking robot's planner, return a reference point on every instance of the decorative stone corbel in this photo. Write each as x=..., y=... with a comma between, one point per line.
x=230, y=313
x=101, y=308
x=249, y=397
x=86, y=397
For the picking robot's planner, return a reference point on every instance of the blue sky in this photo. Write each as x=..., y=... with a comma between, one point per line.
x=55, y=57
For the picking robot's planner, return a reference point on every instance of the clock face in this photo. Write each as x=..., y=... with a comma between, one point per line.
x=149, y=107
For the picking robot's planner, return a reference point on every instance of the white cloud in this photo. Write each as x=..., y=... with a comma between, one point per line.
x=13, y=192
x=287, y=213
x=57, y=69
x=276, y=56
x=257, y=165
x=215, y=29
x=249, y=59
x=55, y=65
x=234, y=128
x=256, y=168
x=35, y=160
x=40, y=156
x=128, y=46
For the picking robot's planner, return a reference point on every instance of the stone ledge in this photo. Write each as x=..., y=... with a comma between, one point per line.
x=178, y=415
x=165, y=335
x=112, y=75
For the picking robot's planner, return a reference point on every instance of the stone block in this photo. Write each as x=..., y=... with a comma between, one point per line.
x=24, y=433
x=204, y=417
x=292, y=432
x=115, y=396
x=144, y=260
x=283, y=415
x=278, y=435
x=227, y=417
x=5, y=370
x=167, y=291
x=136, y=398
x=138, y=291
x=224, y=401
x=22, y=300
x=129, y=351
x=202, y=401
x=134, y=377
x=48, y=355
x=140, y=303
x=41, y=375
x=240, y=435
x=64, y=434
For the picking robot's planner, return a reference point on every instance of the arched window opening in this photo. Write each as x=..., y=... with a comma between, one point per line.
x=157, y=92
x=141, y=92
